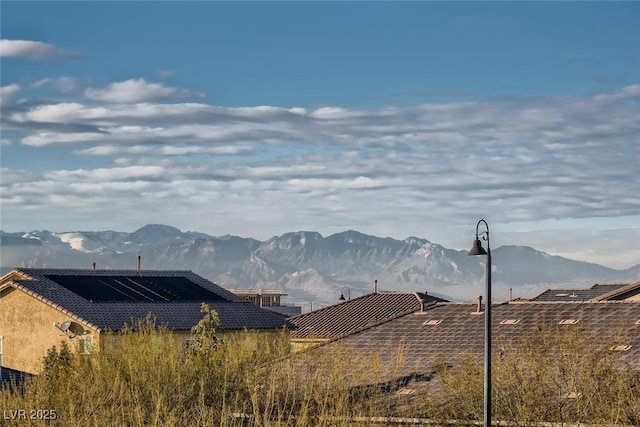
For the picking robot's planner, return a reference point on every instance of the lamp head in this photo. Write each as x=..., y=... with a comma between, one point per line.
x=477, y=248
x=341, y=296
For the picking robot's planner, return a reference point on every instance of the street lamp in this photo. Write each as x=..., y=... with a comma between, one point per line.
x=342, y=293
x=477, y=249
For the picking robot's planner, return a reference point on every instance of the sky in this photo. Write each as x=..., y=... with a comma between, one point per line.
x=394, y=119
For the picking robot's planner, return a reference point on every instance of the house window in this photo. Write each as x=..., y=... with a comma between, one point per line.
x=85, y=345
x=270, y=301
x=510, y=322
x=568, y=322
x=432, y=322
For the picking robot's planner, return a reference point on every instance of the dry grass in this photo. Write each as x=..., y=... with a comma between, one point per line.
x=146, y=377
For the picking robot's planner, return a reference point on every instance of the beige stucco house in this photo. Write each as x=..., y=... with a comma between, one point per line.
x=41, y=307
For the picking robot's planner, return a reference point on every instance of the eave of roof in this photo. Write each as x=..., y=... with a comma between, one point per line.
x=50, y=303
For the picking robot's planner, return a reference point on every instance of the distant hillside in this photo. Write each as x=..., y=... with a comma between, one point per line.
x=307, y=265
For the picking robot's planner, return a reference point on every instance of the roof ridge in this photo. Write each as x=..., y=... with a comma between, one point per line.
x=589, y=301
x=328, y=307
x=369, y=295
x=618, y=291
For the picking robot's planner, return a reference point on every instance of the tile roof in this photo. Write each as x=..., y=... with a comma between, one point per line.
x=446, y=331
x=9, y=377
x=358, y=313
x=621, y=293
x=234, y=311
x=577, y=294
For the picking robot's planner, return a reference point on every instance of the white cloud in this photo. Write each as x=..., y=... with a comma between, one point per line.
x=118, y=173
x=33, y=50
x=61, y=84
x=429, y=170
x=632, y=91
x=138, y=90
x=7, y=93
x=167, y=150
x=323, y=184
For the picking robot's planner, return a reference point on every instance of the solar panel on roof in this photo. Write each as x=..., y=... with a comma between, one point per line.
x=135, y=288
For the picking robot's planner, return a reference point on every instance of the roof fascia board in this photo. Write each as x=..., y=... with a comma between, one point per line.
x=50, y=303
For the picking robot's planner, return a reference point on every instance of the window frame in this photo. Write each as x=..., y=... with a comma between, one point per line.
x=83, y=347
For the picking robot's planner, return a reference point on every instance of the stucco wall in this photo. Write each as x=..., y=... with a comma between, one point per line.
x=27, y=331
x=299, y=344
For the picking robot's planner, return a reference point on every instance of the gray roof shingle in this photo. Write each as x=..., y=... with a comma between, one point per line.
x=10, y=377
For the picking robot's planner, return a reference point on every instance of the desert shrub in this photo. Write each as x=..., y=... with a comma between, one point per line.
x=555, y=376
x=145, y=376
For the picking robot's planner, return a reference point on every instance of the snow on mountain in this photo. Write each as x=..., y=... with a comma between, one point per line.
x=307, y=265
x=79, y=242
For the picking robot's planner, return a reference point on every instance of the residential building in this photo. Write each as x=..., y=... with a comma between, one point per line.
x=444, y=332
x=11, y=377
x=355, y=314
x=269, y=299
x=40, y=307
x=597, y=292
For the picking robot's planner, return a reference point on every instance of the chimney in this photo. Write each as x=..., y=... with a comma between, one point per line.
x=479, y=310
x=93, y=266
x=375, y=286
x=510, y=294
x=139, y=257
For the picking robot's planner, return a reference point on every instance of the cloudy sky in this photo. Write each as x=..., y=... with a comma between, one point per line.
x=392, y=119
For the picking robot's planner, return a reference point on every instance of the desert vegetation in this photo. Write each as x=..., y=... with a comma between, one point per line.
x=146, y=376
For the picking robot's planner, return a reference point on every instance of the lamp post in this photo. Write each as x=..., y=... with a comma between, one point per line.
x=342, y=293
x=477, y=249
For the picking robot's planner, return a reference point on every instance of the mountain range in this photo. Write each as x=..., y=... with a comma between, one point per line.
x=309, y=267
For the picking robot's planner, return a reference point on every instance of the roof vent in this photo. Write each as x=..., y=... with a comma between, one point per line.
x=620, y=347
x=479, y=306
x=568, y=322
x=510, y=322
x=432, y=322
